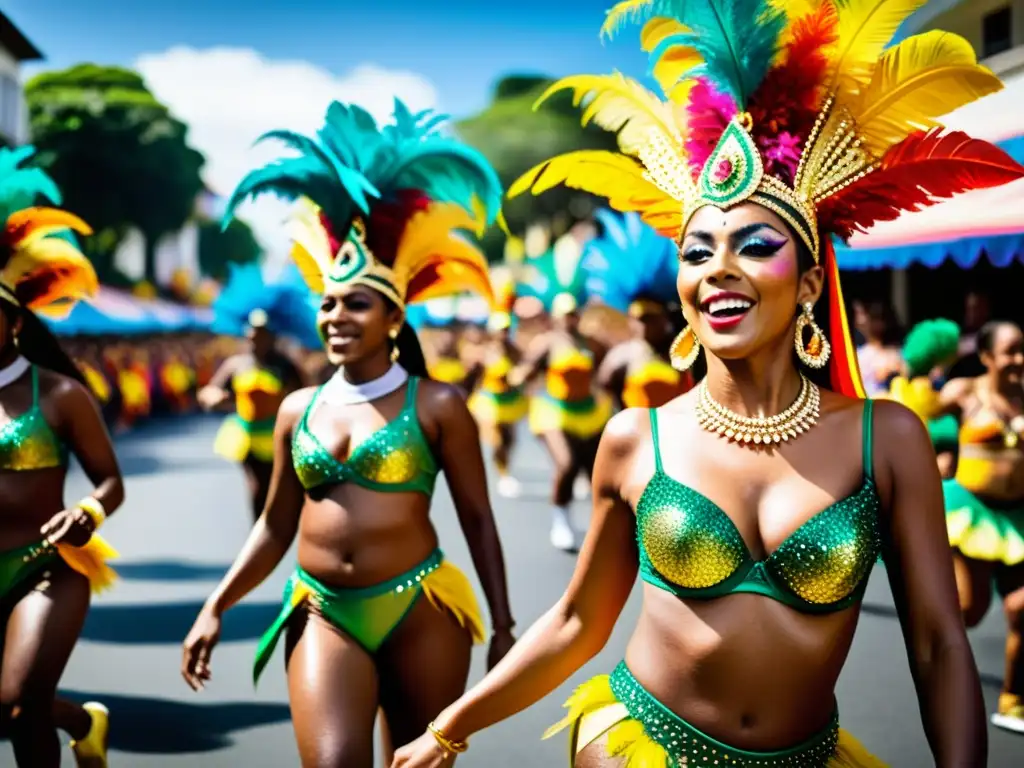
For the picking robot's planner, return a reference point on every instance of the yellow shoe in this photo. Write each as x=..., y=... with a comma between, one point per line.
x=91, y=752
x=1010, y=716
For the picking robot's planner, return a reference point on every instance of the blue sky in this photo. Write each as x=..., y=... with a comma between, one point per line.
x=232, y=70
x=460, y=47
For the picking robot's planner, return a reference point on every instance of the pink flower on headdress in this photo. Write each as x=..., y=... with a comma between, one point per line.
x=782, y=155
x=723, y=170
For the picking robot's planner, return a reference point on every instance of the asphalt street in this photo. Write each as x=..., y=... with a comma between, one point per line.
x=186, y=518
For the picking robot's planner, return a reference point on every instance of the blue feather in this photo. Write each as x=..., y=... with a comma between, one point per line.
x=286, y=301
x=737, y=39
x=630, y=260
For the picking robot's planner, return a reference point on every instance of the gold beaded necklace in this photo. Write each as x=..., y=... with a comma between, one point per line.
x=792, y=422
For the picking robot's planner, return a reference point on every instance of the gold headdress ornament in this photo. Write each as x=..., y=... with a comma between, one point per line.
x=39, y=269
x=388, y=208
x=796, y=105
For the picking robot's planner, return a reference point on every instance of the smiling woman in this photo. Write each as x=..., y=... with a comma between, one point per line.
x=755, y=507
x=374, y=616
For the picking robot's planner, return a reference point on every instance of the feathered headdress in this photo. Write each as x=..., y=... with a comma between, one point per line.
x=40, y=268
x=383, y=207
x=796, y=105
x=630, y=266
x=284, y=307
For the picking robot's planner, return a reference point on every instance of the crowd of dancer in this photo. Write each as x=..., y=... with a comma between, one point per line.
x=739, y=466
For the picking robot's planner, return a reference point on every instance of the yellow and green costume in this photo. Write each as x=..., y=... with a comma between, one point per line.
x=647, y=734
x=242, y=435
x=41, y=271
x=802, y=109
x=495, y=402
x=388, y=209
x=552, y=410
x=978, y=527
x=371, y=614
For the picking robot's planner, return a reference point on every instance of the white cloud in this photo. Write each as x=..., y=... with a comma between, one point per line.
x=230, y=96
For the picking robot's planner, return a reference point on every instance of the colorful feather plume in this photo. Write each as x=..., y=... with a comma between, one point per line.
x=352, y=166
x=40, y=266
x=413, y=189
x=922, y=170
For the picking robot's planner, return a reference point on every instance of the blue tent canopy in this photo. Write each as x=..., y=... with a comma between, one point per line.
x=116, y=313
x=1000, y=248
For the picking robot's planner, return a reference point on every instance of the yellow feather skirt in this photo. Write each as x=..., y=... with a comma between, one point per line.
x=91, y=561
x=448, y=589
x=594, y=712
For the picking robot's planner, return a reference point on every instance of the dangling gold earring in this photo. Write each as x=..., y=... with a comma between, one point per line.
x=815, y=353
x=684, y=350
x=393, y=334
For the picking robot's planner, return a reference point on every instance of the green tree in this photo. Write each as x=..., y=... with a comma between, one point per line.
x=217, y=248
x=119, y=156
x=515, y=137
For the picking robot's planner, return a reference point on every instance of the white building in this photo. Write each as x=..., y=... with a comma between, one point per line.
x=994, y=27
x=15, y=48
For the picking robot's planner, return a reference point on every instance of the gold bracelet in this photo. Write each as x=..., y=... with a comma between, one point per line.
x=94, y=510
x=449, y=746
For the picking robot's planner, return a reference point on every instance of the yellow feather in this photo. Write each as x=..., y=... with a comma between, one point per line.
x=622, y=13
x=39, y=222
x=72, y=276
x=311, y=249
x=865, y=28
x=630, y=741
x=922, y=78
x=617, y=103
x=674, y=63
x=431, y=239
x=616, y=177
x=591, y=695
x=795, y=9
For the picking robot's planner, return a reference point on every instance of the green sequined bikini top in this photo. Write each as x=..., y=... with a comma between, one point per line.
x=690, y=547
x=393, y=459
x=27, y=441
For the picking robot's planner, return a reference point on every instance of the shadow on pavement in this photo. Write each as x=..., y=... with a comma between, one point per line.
x=171, y=570
x=157, y=623
x=162, y=726
x=135, y=464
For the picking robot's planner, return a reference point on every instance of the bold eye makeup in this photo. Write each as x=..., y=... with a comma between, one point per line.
x=761, y=246
x=695, y=253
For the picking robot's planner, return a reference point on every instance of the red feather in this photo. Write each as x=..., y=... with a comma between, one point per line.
x=922, y=170
x=387, y=223
x=789, y=98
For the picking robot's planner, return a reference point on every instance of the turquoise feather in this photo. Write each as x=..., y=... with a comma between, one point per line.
x=737, y=39
x=23, y=187
x=351, y=163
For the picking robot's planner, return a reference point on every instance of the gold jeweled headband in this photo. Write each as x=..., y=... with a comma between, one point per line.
x=734, y=173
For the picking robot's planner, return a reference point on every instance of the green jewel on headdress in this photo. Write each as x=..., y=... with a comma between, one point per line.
x=734, y=169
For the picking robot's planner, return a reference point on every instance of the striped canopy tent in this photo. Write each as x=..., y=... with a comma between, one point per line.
x=986, y=223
